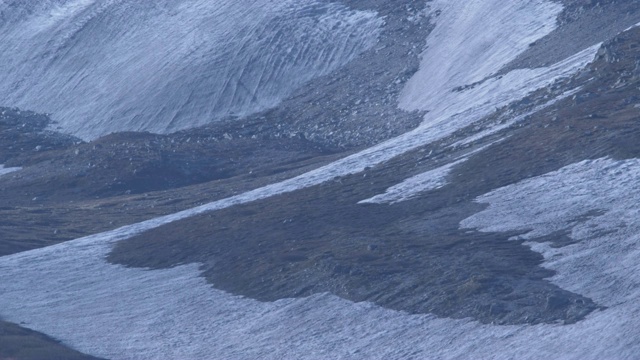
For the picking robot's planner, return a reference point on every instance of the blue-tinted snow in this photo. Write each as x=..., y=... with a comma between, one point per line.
x=411, y=187
x=70, y=292
x=4, y=171
x=165, y=65
x=596, y=201
x=472, y=41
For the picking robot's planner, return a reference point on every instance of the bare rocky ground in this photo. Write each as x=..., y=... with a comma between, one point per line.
x=409, y=256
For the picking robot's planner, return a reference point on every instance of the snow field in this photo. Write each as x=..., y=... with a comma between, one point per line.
x=105, y=66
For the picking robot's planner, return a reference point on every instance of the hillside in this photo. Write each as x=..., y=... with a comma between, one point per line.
x=423, y=179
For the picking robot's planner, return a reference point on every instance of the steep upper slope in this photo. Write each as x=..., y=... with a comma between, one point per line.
x=503, y=225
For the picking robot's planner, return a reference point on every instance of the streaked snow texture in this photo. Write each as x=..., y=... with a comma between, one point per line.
x=596, y=201
x=471, y=42
x=70, y=292
x=4, y=171
x=165, y=65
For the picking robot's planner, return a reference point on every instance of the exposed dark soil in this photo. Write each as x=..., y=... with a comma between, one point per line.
x=135, y=163
x=25, y=132
x=61, y=198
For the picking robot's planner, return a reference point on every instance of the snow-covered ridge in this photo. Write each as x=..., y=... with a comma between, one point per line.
x=159, y=66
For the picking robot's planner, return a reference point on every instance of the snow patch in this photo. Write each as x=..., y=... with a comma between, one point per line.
x=471, y=42
x=71, y=293
x=4, y=171
x=426, y=181
x=596, y=202
x=162, y=66
x=413, y=186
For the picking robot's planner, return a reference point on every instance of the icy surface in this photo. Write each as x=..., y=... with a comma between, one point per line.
x=165, y=65
x=4, y=171
x=70, y=292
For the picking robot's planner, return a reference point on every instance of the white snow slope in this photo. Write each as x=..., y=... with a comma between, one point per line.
x=100, y=66
x=70, y=292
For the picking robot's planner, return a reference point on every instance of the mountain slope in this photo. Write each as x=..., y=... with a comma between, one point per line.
x=501, y=226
